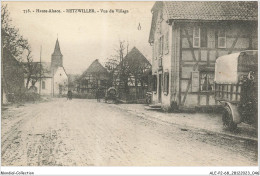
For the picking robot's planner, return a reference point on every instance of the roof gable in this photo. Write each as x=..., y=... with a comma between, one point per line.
x=96, y=67
x=136, y=56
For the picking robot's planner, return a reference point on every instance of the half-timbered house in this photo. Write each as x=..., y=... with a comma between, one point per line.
x=131, y=77
x=187, y=37
x=95, y=77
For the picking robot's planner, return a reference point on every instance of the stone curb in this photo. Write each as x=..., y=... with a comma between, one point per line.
x=192, y=128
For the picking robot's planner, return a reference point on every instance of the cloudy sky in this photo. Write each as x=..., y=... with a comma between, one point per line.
x=83, y=37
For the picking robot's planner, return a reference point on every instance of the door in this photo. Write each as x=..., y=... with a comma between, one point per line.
x=60, y=90
x=160, y=89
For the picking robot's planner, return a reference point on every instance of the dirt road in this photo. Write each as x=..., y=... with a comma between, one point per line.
x=87, y=133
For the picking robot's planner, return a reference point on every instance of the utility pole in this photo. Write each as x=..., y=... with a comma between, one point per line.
x=40, y=71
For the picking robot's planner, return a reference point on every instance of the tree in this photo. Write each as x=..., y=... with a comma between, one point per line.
x=17, y=46
x=129, y=69
x=11, y=39
x=111, y=66
x=12, y=43
x=117, y=68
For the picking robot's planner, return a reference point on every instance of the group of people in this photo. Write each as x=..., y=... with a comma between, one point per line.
x=99, y=94
x=110, y=94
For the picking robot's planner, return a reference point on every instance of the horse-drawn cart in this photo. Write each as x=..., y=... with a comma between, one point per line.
x=111, y=94
x=236, y=88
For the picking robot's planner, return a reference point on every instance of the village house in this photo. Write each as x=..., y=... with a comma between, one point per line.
x=131, y=77
x=186, y=38
x=53, y=80
x=95, y=77
x=12, y=78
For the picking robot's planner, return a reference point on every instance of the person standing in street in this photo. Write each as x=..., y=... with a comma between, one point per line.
x=98, y=95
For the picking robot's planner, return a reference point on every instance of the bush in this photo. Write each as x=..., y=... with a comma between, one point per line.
x=26, y=96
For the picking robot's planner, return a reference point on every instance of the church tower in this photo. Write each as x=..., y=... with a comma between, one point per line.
x=56, y=57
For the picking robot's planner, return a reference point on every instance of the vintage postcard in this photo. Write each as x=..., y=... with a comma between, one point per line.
x=167, y=83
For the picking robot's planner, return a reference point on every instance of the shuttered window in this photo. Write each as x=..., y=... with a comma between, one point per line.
x=203, y=37
x=200, y=38
x=155, y=50
x=196, y=37
x=154, y=87
x=166, y=83
x=166, y=45
x=43, y=84
x=161, y=45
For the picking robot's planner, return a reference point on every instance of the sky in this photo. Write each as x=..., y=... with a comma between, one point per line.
x=83, y=37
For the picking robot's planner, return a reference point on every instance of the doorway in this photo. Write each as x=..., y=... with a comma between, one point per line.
x=160, y=89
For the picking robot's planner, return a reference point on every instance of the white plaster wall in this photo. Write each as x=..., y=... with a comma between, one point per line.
x=60, y=78
x=166, y=61
x=47, y=90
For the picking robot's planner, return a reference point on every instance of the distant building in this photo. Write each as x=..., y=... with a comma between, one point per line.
x=187, y=37
x=73, y=81
x=131, y=77
x=54, y=79
x=95, y=77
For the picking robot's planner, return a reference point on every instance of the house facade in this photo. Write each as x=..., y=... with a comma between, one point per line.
x=187, y=37
x=12, y=78
x=95, y=77
x=54, y=79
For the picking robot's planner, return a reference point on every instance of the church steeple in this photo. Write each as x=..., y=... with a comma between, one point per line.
x=57, y=48
x=56, y=58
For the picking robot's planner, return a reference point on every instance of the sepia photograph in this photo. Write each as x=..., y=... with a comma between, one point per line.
x=129, y=83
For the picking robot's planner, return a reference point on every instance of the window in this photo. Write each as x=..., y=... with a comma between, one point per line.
x=200, y=38
x=221, y=38
x=102, y=83
x=85, y=83
x=206, y=81
x=161, y=45
x=160, y=51
x=155, y=50
x=196, y=37
x=166, y=45
x=166, y=83
x=43, y=84
x=203, y=37
x=154, y=87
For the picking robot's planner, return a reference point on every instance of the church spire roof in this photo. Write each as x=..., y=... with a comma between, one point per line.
x=57, y=48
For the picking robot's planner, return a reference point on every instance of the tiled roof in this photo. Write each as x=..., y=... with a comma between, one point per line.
x=205, y=10
x=211, y=10
x=95, y=68
x=136, y=56
x=135, y=60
